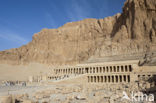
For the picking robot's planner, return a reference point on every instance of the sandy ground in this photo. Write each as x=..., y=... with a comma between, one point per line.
x=6, y=90
x=67, y=93
x=22, y=72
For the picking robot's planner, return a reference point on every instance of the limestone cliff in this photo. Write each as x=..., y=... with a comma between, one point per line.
x=131, y=33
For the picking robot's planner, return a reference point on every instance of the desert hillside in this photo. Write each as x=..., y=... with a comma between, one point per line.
x=131, y=33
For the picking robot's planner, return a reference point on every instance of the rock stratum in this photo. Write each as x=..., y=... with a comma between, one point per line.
x=131, y=33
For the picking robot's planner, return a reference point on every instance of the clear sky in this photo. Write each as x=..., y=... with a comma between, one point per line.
x=20, y=19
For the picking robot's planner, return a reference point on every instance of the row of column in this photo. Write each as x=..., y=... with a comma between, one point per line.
x=70, y=71
x=53, y=77
x=126, y=68
x=109, y=79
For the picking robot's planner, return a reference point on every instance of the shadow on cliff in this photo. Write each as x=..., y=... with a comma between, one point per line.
x=128, y=11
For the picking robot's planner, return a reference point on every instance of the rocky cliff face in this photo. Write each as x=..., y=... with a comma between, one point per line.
x=130, y=33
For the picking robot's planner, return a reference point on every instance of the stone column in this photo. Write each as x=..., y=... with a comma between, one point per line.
x=99, y=78
x=90, y=69
x=123, y=79
x=110, y=68
x=101, y=69
x=93, y=69
x=104, y=69
x=107, y=69
x=110, y=79
x=69, y=70
x=103, y=78
x=123, y=68
x=96, y=78
x=126, y=78
x=98, y=69
x=84, y=70
x=81, y=70
x=72, y=70
x=88, y=79
x=56, y=71
x=63, y=71
x=118, y=69
x=60, y=71
x=106, y=79
x=93, y=79
x=128, y=69
x=76, y=70
x=114, y=78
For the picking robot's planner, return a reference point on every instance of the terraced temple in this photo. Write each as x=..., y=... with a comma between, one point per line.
x=106, y=72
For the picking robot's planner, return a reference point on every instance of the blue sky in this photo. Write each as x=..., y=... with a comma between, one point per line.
x=20, y=19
